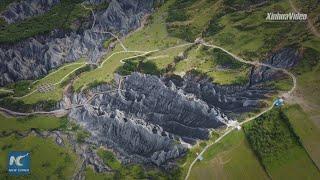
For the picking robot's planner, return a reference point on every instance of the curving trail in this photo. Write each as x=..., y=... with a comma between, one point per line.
x=57, y=71
x=107, y=32
x=312, y=28
x=102, y=32
x=64, y=111
x=286, y=94
x=57, y=83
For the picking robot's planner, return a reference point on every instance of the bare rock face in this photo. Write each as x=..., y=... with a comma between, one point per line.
x=21, y=10
x=230, y=99
x=145, y=122
x=35, y=56
x=285, y=58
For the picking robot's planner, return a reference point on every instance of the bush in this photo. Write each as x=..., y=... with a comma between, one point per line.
x=146, y=67
x=82, y=135
x=225, y=60
x=20, y=88
x=15, y=105
x=214, y=26
x=310, y=60
x=177, y=10
x=187, y=33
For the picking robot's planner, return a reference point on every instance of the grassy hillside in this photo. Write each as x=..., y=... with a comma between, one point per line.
x=132, y=171
x=27, y=95
x=10, y=124
x=278, y=147
x=47, y=158
x=57, y=78
x=60, y=16
x=217, y=65
x=231, y=158
x=237, y=26
x=308, y=132
x=153, y=36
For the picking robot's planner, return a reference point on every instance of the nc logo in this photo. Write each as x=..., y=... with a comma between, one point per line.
x=17, y=160
x=19, y=163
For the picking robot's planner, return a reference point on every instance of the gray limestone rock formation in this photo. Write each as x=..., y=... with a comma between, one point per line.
x=284, y=58
x=35, y=56
x=21, y=10
x=144, y=121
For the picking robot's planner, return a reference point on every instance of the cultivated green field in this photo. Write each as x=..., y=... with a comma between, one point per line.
x=47, y=158
x=308, y=132
x=231, y=158
x=278, y=147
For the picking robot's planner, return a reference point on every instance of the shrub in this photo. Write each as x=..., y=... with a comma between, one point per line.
x=224, y=59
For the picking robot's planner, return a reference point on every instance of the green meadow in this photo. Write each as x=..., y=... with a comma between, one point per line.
x=278, y=147
x=21, y=124
x=231, y=158
x=48, y=160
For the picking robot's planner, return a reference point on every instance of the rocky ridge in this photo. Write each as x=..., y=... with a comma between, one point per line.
x=143, y=121
x=21, y=10
x=34, y=57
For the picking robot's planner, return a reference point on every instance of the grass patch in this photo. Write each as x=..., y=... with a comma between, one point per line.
x=132, y=171
x=103, y=74
x=231, y=158
x=177, y=10
x=82, y=135
x=20, y=88
x=309, y=85
x=217, y=65
x=281, y=84
x=145, y=67
x=278, y=147
x=308, y=132
x=30, y=122
x=90, y=174
x=55, y=78
x=109, y=159
x=153, y=36
x=48, y=160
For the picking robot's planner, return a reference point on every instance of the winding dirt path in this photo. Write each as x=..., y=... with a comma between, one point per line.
x=229, y=130
x=312, y=28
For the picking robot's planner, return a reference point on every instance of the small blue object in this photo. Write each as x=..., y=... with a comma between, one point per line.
x=19, y=163
x=200, y=158
x=279, y=102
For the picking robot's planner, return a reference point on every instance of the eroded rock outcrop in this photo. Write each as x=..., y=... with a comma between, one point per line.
x=284, y=58
x=35, y=56
x=21, y=10
x=145, y=121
